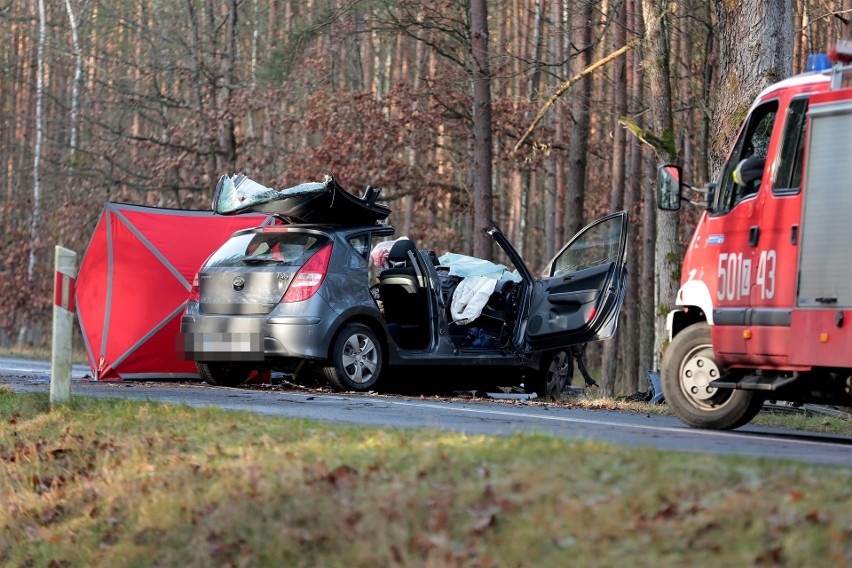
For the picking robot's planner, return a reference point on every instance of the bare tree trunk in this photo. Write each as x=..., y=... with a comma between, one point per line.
x=530, y=177
x=619, y=79
x=666, y=256
x=552, y=164
x=798, y=37
x=255, y=34
x=579, y=144
x=482, y=191
x=75, y=86
x=755, y=50
x=647, y=308
x=611, y=349
x=409, y=200
x=36, y=216
x=558, y=15
x=35, y=221
x=227, y=131
x=538, y=44
x=703, y=166
x=633, y=367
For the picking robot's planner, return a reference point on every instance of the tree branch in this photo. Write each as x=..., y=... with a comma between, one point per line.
x=567, y=85
x=664, y=144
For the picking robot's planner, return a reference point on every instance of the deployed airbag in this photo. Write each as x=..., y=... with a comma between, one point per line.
x=470, y=298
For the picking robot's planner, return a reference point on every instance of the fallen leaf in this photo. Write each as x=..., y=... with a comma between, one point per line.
x=484, y=522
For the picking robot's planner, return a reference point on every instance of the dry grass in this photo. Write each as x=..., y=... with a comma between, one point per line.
x=112, y=482
x=798, y=420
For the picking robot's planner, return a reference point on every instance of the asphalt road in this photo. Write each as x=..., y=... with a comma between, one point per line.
x=470, y=416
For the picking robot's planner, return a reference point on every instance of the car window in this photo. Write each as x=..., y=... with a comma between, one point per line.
x=597, y=245
x=289, y=249
x=361, y=244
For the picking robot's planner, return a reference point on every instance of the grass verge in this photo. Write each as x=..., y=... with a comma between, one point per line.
x=114, y=482
x=791, y=420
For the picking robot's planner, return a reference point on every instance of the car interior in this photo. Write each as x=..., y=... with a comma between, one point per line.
x=405, y=305
x=403, y=294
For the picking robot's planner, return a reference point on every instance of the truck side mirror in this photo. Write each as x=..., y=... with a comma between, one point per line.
x=711, y=194
x=669, y=187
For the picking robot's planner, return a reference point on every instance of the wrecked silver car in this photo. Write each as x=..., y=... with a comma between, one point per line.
x=323, y=289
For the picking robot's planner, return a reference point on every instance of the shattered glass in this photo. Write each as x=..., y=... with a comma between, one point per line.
x=322, y=202
x=237, y=193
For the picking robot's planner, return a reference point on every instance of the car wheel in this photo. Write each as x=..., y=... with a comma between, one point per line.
x=227, y=374
x=553, y=372
x=687, y=369
x=356, y=359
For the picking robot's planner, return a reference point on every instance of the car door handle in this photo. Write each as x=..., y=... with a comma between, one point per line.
x=753, y=236
x=578, y=297
x=568, y=279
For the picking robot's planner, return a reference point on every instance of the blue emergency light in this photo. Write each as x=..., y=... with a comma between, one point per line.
x=818, y=62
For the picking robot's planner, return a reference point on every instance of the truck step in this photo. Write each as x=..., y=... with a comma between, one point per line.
x=754, y=382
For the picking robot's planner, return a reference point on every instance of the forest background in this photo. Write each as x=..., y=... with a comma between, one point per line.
x=150, y=101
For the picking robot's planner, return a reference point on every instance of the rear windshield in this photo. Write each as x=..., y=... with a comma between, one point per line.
x=288, y=249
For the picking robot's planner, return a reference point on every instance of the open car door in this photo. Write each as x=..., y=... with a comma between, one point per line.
x=581, y=290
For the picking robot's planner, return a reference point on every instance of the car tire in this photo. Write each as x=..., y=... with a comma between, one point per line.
x=225, y=374
x=555, y=369
x=688, y=365
x=356, y=359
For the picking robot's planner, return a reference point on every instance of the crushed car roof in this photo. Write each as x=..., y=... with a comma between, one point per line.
x=313, y=202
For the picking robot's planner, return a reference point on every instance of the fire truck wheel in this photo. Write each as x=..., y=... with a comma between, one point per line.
x=687, y=369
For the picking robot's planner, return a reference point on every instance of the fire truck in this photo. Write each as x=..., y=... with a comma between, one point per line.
x=766, y=286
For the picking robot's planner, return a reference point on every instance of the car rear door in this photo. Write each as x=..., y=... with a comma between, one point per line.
x=581, y=290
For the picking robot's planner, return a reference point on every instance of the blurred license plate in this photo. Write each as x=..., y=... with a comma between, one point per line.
x=223, y=346
x=234, y=342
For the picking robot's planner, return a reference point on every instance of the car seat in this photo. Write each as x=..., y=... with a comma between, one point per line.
x=404, y=297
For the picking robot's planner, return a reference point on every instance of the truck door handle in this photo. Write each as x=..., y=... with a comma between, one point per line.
x=826, y=300
x=753, y=236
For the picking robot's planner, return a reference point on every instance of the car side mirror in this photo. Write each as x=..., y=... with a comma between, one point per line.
x=669, y=187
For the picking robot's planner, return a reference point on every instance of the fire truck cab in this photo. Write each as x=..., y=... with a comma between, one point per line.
x=764, y=310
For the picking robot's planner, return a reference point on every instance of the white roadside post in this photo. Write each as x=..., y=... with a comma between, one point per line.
x=63, y=321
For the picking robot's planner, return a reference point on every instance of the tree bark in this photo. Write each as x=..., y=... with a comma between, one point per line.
x=611, y=349
x=580, y=122
x=633, y=365
x=35, y=223
x=666, y=254
x=647, y=310
x=482, y=191
x=755, y=50
x=75, y=86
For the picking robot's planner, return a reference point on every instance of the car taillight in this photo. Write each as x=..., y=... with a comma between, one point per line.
x=195, y=291
x=309, y=278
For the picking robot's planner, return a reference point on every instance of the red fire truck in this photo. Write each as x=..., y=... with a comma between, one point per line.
x=766, y=287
